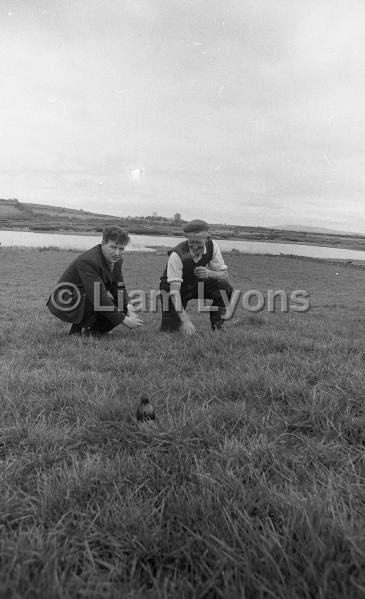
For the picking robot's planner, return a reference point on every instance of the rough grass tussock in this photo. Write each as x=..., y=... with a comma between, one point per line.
x=249, y=485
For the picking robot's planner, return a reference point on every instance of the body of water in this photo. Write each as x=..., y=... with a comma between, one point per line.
x=142, y=242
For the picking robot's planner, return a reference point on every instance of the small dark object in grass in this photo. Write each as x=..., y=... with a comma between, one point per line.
x=279, y=347
x=145, y=410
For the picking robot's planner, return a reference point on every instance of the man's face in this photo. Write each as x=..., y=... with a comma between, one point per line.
x=112, y=251
x=196, y=242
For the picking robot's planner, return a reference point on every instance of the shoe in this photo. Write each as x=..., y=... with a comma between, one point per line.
x=76, y=329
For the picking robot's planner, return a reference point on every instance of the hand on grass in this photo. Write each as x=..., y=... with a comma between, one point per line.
x=132, y=321
x=188, y=328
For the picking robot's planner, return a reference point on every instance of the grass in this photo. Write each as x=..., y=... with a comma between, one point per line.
x=251, y=483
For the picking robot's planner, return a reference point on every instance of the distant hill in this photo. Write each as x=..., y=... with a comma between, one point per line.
x=41, y=217
x=316, y=230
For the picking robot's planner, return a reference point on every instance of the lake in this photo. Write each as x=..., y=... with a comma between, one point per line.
x=141, y=243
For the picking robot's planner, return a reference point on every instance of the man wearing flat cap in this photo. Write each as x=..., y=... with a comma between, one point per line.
x=196, y=260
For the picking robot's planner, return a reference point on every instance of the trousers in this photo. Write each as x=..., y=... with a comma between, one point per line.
x=96, y=322
x=170, y=320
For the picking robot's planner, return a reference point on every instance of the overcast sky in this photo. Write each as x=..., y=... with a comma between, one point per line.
x=242, y=111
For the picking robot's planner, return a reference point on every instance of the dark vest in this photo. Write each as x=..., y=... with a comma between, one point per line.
x=182, y=250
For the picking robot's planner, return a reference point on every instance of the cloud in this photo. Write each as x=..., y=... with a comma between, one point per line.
x=247, y=111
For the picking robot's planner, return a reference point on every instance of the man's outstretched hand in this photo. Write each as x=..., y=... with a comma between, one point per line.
x=132, y=321
x=188, y=328
x=133, y=306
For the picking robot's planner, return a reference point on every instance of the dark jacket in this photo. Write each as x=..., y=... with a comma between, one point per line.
x=74, y=293
x=183, y=251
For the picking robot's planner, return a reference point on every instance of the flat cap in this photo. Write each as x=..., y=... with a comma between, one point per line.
x=195, y=226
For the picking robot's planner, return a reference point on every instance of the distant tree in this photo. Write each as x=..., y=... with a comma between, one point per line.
x=177, y=218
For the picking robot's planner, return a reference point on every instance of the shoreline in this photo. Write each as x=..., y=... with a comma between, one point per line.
x=357, y=264
x=317, y=242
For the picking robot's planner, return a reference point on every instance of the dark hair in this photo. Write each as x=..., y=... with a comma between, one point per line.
x=115, y=234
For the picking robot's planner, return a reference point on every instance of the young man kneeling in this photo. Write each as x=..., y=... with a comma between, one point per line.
x=82, y=294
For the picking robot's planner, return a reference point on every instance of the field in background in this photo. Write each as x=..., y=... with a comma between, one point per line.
x=251, y=483
x=55, y=219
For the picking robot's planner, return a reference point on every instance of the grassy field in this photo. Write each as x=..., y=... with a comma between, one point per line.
x=250, y=485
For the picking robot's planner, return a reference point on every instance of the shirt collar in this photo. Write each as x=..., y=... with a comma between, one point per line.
x=198, y=256
x=110, y=264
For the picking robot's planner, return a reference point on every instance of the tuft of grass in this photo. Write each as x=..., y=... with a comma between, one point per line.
x=250, y=483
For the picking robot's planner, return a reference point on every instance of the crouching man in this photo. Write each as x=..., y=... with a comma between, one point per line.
x=196, y=260
x=91, y=293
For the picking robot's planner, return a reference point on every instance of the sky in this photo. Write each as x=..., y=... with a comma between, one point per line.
x=246, y=112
